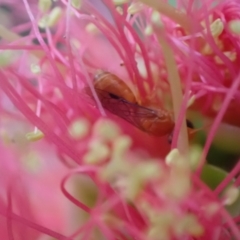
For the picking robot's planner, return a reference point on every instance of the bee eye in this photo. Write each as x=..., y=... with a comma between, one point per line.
x=113, y=96
x=190, y=124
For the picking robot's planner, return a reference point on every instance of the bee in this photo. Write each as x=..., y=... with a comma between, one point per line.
x=114, y=85
x=116, y=97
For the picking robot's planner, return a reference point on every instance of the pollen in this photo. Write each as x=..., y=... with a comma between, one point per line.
x=216, y=27
x=106, y=129
x=211, y=209
x=158, y=232
x=79, y=128
x=148, y=30
x=76, y=3
x=178, y=186
x=191, y=101
x=98, y=152
x=160, y=225
x=35, y=68
x=119, y=2
x=6, y=57
x=180, y=174
x=232, y=56
x=188, y=224
x=141, y=175
x=194, y=156
x=135, y=8
x=51, y=19
x=54, y=16
x=142, y=68
x=120, y=146
x=119, y=10
x=91, y=28
x=44, y=5
x=234, y=26
x=34, y=136
x=172, y=156
x=231, y=194
x=31, y=161
x=156, y=19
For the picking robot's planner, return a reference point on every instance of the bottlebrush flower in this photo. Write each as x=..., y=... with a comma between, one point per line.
x=70, y=169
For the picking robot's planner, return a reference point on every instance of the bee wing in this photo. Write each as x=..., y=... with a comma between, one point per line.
x=131, y=112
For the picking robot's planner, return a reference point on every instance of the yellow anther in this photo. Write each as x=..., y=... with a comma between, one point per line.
x=119, y=10
x=34, y=136
x=234, y=26
x=232, y=56
x=54, y=16
x=135, y=8
x=231, y=194
x=31, y=161
x=76, y=3
x=188, y=224
x=119, y=2
x=194, y=156
x=211, y=209
x=35, y=68
x=91, y=28
x=172, y=156
x=156, y=19
x=106, y=129
x=51, y=19
x=191, y=101
x=216, y=27
x=7, y=56
x=98, y=152
x=79, y=128
x=44, y=5
x=121, y=146
x=148, y=30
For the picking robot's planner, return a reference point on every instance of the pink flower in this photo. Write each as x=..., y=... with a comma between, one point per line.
x=71, y=169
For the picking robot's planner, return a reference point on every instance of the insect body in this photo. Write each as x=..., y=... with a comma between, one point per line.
x=117, y=98
x=113, y=84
